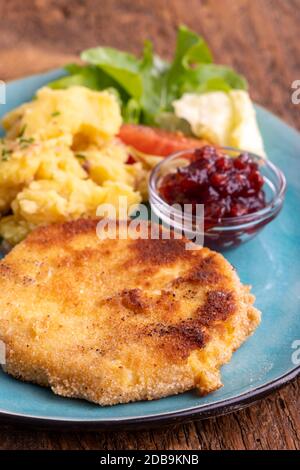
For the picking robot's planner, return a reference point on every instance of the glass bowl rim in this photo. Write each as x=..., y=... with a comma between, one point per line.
x=229, y=222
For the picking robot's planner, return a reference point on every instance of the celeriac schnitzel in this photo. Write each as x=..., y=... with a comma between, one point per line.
x=113, y=321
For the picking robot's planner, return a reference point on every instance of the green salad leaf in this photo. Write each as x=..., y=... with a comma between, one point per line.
x=148, y=85
x=212, y=77
x=90, y=77
x=191, y=51
x=120, y=66
x=172, y=123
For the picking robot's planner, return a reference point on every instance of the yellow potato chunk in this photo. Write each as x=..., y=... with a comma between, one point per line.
x=24, y=160
x=18, y=166
x=67, y=197
x=89, y=116
x=61, y=160
x=104, y=165
x=57, y=159
x=117, y=193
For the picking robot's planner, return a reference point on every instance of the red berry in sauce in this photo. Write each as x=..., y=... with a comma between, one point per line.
x=228, y=187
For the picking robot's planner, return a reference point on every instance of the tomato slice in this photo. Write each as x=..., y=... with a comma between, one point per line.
x=155, y=141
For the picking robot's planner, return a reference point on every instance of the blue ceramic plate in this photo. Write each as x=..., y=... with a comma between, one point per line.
x=270, y=263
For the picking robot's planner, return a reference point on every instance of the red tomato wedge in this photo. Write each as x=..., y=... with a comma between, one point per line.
x=155, y=141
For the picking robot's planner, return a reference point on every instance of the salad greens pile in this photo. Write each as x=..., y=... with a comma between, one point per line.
x=147, y=86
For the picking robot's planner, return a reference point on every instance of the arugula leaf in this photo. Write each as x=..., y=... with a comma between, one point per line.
x=75, y=68
x=193, y=71
x=211, y=77
x=152, y=74
x=131, y=111
x=91, y=77
x=74, y=80
x=191, y=50
x=121, y=66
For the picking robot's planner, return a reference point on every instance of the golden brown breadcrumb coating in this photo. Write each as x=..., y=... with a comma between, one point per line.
x=113, y=321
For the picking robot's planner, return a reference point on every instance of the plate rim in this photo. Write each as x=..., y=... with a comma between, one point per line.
x=195, y=412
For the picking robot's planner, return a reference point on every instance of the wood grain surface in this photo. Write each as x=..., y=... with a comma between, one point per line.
x=260, y=38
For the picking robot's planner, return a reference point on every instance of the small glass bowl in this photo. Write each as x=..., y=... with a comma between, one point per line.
x=229, y=232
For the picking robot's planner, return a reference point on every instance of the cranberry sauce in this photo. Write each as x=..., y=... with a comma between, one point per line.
x=228, y=187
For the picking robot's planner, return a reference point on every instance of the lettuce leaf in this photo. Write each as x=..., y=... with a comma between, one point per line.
x=120, y=66
x=170, y=122
x=90, y=77
x=211, y=77
x=148, y=85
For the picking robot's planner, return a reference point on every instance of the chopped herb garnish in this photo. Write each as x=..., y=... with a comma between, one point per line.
x=27, y=140
x=21, y=133
x=80, y=156
x=6, y=151
x=56, y=113
x=5, y=154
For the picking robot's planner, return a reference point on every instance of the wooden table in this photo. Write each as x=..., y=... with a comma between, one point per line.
x=260, y=38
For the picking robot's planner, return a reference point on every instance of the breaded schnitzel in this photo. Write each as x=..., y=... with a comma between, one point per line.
x=113, y=321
